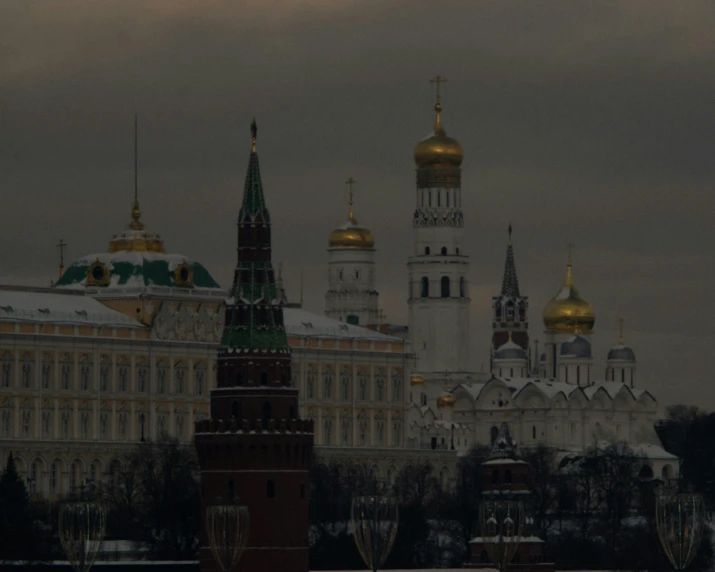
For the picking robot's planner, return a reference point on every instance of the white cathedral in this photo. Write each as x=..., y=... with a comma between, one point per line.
x=554, y=397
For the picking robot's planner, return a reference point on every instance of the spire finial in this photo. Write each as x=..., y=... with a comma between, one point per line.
x=254, y=135
x=510, y=336
x=620, y=331
x=569, y=274
x=350, y=182
x=136, y=224
x=61, y=246
x=439, y=80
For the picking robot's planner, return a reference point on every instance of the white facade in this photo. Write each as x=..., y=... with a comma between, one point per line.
x=352, y=296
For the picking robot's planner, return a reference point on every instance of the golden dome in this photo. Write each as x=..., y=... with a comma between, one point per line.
x=446, y=401
x=438, y=150
x=417, y=379
x=350, y=234
x=567, y=311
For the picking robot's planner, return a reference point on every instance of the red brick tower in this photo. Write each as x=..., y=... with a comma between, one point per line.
x=254, y=448
x=510, y=307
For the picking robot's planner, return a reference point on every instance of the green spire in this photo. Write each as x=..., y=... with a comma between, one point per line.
x=254, y=203
x=510, y=283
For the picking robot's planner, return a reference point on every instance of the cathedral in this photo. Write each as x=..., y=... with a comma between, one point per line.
x=124, y=348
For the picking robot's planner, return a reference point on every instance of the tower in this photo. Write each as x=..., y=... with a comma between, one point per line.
x=568, y=321
x=509, y=309
x=438, y=299
x=254, y=449
x=351, y=295
x=621, y=362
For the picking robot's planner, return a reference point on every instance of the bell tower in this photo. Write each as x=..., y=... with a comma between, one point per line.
x=254, y=447
x=438, y=299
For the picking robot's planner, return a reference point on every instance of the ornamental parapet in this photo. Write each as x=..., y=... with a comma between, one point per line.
x=255, y=427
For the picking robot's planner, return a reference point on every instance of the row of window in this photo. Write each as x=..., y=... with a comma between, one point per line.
x=443, y=251
x=343, y=392
x=440, y=198
x=65, y=430
x=345, y=436
x=85, y=382
x=445, y=287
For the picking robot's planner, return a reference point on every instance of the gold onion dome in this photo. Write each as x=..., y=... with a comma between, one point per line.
x=417, y=379
x=567, y=311
x=438, y=150
x=446, y=401
x=350, y=234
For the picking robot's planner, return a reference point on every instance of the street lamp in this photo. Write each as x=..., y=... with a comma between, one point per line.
x=680, y=519
x=502, y=523
x=227, y=526
x=374, y=520
x=82, y=527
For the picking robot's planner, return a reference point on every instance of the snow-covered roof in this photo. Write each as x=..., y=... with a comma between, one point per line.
x=299, y=322
x=48, y=306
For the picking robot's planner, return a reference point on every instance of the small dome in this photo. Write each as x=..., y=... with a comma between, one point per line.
x=567, y=311
x=510, y=351
x=576, y=347
x=446, y=401
x=351, y=235
x=438, y=150
x=417, y=379
x=621, y=353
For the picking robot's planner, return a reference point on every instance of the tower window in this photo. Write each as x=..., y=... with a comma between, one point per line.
x=425, y=287
x=447, y=198
x=357, y=274
x=457, y=251
x=533, y=431
x=439, y=199
x=507, y=476
x=444, y=251
x=495, y=477
x=445, y=286
x=462, y=287
x=426, y=249
x=341, y=275
x=270, y=489
x=429, y=197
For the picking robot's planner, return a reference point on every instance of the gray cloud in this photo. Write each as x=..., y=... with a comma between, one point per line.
x=589, y=123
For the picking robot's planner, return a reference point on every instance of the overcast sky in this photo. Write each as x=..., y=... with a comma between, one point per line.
x=583, y=122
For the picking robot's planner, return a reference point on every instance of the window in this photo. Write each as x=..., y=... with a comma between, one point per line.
x=425, y=287
x=311, y=382
x=266, y=415
x=7, y=371
x=507, y=476
x=533, y=431
x=73, y=477
x=340, y=274
x=54, y=476
x=123, y=377
x=396, y=386
x=462, y=287
x=27, y=374
x=328, y=432
x=161, y=379
x=104, y=374
x=46, y=424
x=328, y=383
x=46, y=371
x=6, y=423
x=445, y=286
x=345, y=426
x=33, y=478
x=103, y=425
x=65, y=373
x=179, y=378
x=122, y=425
x=345, y=384
x=270, y=489
x=142, y=376
x=65, y=424
x=362, y=433
x=26, y=423
x=93, y=473
x=510, y=311
x=199, y=380
x=381, y=433
x=357, y=274
x=161, y=424
x=84, y=424
x=362, y=385
x=427, y=250
x=444, y=251
x=180, y=427
x=396, y=433
x=380, y=386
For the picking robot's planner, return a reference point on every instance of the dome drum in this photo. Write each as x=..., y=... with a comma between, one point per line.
x=439, y=178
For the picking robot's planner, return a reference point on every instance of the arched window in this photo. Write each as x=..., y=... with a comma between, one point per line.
x=264, y=378
x=341, y=275
x=509, y=311
x=447, y=195
x=445, y=286
x=444, y=251
x=270, y=489
x=533, y=431
x=457, y=251
x=507, y=476
x=439, y=199
x=462, y=287
x=266, y=414
x=425, y=287
x=426, y=249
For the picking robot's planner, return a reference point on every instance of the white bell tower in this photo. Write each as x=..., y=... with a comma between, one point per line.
x=438, y=298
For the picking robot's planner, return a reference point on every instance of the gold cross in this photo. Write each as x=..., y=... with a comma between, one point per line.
x=350, y=182
x=438, y=80
x=61, y=246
